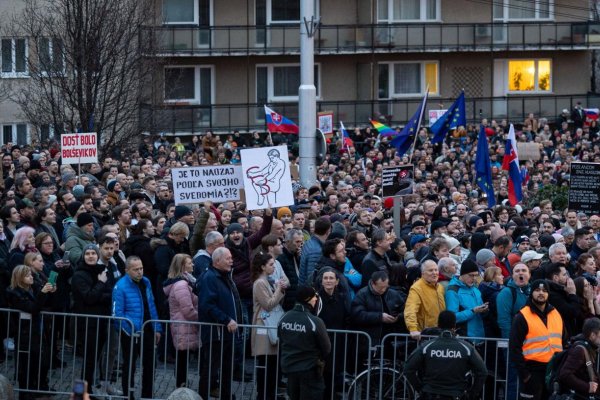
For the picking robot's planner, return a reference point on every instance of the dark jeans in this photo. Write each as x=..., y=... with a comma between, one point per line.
x=266, y=377
x=535, y=387
x=94, y=341
x=181, y=367
x=216, y=356
x=131, y=352
x=305, y=385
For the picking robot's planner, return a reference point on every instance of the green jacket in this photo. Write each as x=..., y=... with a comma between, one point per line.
x=77, y=239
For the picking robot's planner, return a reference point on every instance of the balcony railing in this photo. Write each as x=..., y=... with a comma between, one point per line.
x=190, y=119
x=344, y=39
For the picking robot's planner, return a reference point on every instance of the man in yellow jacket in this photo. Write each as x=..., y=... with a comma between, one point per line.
x=425, y=301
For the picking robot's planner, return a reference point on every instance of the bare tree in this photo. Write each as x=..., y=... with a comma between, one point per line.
x=86, y=68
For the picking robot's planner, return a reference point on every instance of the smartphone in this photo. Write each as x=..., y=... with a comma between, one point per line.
x=78, y=389
x=66, y=256
x=52, y=277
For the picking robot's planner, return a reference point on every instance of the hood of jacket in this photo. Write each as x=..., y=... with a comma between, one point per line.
x=80, y=233
x=169, y=283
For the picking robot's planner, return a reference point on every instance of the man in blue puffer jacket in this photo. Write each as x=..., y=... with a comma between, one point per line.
x=133, y=300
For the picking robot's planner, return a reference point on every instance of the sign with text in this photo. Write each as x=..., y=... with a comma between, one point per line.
x=529, y=151
x=217, y=183
x=434, y=115
x=325, y=122
x=398, y=180
x=79, y=148
x=584, y=187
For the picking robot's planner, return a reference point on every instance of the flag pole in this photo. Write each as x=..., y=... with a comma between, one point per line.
x=419, y=124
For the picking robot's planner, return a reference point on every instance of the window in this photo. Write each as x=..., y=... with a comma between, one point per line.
x=14, y=53
x=51, y=55
x=408, y=79
x=407, y=10
x=279, y=11
x=15, y=133
x=180, y=12
x=189, y=83
x=529, y=76
x=47, y=131
x=523, y=9
x=280, y=82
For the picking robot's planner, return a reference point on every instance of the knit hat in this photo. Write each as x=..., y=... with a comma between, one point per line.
x=417, y=239
x=473, y=220
x=452, y=243
x=35, y=164
x=182, y=211
x=84, y=219
x=283, y=211
x=67, y=177
x=468, y=266
x=522, y=239
x=78, y=191
x=547, y=240
x=418, y=223
x=437, y=225
x=73, y=207
x=304, y=294
x=183, y=393
x=539, y=283
x=338, y=230
x=235, y=227
x=111, y=185
x=483, y=256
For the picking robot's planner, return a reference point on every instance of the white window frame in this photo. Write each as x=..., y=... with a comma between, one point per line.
x=197, y=94
x=269, y=7
x=271, y=98
x=391, y=79
x=506, y=12
x=14, y=132
x=45, y=72
x=196, y=16
x=423, y=13
x=15, y=74
x=501, y=78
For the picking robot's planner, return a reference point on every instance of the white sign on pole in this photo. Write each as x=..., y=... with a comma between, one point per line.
x=434, y=115
x=216, y=183
x=79, y=148
x=267, y=179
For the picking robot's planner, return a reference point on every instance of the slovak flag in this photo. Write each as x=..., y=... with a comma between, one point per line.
x=510, y=163
x=279, y=123
x=346, y=137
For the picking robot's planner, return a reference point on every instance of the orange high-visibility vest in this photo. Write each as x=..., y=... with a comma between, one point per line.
x=542, y=341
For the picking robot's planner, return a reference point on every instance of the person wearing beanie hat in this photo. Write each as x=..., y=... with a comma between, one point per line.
x=475, y=222
x=536, y=334
x=84, y=219
x=485, y=258
x=284, y=214
x=438, y=228
x=74, y=208
x=522, y=245
x=78, y=191
x=464, y=299
x=304, y=345
x=235, y=227
x=78, y=233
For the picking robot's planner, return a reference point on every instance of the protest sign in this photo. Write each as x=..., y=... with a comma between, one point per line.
x=79, y=148
x=398, y=180
x=584, y=187
x=216, y=183
x=529, y=151
x=267, y=179
x=434, y=115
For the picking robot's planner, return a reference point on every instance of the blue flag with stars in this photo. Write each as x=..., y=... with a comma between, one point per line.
x=406, y=137
x=452, y=119
x=483, y=168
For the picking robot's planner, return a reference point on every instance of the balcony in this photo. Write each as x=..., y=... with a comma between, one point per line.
x=247, y=117
x=352, y=39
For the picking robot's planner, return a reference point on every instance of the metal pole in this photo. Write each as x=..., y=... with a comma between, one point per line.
x=307, y=94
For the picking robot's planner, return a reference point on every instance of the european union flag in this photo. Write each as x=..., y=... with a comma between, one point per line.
x=483, y=168
x=452, y=119
x=406, y=137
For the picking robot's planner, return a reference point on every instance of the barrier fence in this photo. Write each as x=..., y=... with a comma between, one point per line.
x=44, y=353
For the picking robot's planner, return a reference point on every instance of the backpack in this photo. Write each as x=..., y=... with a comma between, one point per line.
x=554, y=366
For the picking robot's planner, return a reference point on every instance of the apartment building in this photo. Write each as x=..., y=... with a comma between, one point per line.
x=222, y=60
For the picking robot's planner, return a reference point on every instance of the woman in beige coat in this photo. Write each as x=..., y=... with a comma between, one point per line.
x=266, y=296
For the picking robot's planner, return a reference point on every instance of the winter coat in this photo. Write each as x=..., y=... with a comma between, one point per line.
x=241, y=257
x=423, y=305
x=461, y=303
x=29, y=328
x=265, y=298
x=91, y=296
x=61, y=299
x=312, y=251
x=368, y=307
x=289, y=262
x=202, y=261
x=371, y=263
x=506, y=308
x=573, y=375
x=183, y=306
x=139, y=245
x=489, y=294
x=218, y=303
x=567, y=305
x=5, y=272
x=76, y=241
x=128, y=303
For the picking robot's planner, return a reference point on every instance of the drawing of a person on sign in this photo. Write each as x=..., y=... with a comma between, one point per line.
x=266, y=182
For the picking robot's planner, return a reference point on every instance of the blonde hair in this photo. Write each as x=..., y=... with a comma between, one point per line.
x=490, y=273
x=179, y=228
x=18, y=276
x=176, y=268
x=30, y=257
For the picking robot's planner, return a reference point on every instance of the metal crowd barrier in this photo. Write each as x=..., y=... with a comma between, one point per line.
x=60, y=347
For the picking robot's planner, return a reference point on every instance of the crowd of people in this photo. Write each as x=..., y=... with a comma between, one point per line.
x=106, y=240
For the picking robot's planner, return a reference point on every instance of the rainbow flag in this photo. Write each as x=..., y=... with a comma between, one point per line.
x=383, y=130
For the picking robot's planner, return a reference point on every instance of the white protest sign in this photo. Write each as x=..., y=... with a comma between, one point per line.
x=267, y=179
x=434, y=115
x=79, y=148
x=216, y=183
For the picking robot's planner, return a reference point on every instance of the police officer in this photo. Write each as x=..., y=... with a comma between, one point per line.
x=304, y=345
x=438, y=368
